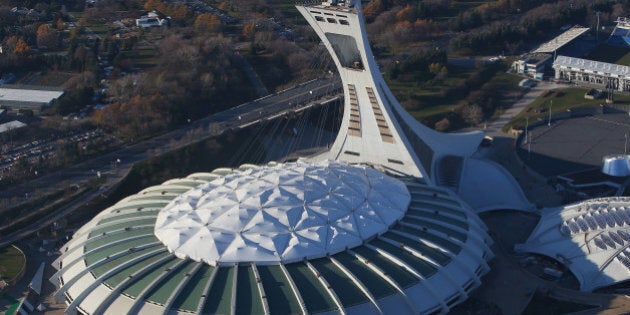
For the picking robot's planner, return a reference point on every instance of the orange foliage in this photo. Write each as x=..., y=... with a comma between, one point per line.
x=406, y=14
x=207, y=23
x=21, y=47
x=373, y=9
x=249, y=30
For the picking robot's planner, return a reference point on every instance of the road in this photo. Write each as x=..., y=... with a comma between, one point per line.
x=115, y=165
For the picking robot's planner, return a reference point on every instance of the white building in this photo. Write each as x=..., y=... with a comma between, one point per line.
x=152, y=19
x=592, y=73
x=28, y=97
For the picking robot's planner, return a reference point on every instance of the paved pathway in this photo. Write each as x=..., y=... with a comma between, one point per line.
x=494, y=128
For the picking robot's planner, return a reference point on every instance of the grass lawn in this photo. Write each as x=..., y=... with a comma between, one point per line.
x=427, y=101
x=611, y=54
x=563, y=100
x=428, y=104
x=11, y=262
x=144, y=57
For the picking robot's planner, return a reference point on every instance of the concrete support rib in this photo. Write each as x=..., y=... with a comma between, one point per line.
x=387, y=278
x=467, y=268
x=68, y=264
x=68, y=283
x=294, y=288
x=357, y=282
x=78, y=299
x=234, y=287
x=430, y=261
x=206, y=290
x=328, y=288
x=180, y=287
x=411, y=270
x=139, y=300
x=105, y=303
x=263, y=295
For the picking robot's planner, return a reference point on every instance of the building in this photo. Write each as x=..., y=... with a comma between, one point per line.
x=592, y=73
x=152, y=19
x=620, y=36
x=28, y=97
x=533, y=65
x=538, y=61
x=590, y=238
x=384, y=222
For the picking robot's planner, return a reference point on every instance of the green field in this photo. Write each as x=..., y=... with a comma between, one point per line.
x=11, y=262
x=611, y=54
x=563, y=100
x=429, y=104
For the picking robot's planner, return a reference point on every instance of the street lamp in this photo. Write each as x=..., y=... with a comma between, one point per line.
x=550, y=105
x=526, y=127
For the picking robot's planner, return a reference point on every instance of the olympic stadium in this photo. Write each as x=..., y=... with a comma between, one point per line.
x=385, y=221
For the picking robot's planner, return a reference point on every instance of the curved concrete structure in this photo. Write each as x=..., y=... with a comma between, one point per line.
x=591, y=238
x=377, y=130
x=426, y=262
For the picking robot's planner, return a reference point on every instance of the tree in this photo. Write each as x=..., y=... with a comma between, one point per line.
x=207, y=23
x=21, y=48
x=46, y=38
x=373, y=9
x=472, y=114
x=249, y=30
x=406, y=14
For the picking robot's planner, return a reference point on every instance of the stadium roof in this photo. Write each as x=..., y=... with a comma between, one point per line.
x=561, y=40
x=585, y=65
x=284, y=213
x=429, y=259
x=591, y=238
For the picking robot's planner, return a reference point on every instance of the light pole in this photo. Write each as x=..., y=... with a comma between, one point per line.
x=597, y=30
x=550, y=105
x=526, y=128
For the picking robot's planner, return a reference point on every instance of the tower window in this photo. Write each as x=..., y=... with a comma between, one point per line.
x=331, y=20
x=344, y=22
x=346, y=50
x=319, y=18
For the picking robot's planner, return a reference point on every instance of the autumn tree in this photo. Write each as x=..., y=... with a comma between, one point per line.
x=208, y=23
x=249, y=30
x=21, y=47
x=406, y=14
x=373, y=9
x=46, y=38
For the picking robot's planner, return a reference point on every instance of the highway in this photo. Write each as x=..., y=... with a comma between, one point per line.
x=115, y=166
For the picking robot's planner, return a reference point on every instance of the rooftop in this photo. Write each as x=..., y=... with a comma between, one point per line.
x=592, y=65
x=284, y=213
x=561, y=40
x=28, y=94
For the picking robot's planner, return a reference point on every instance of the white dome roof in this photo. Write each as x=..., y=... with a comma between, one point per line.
x=283, y=213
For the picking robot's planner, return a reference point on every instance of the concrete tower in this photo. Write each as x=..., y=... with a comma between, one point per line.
x=377, y=130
